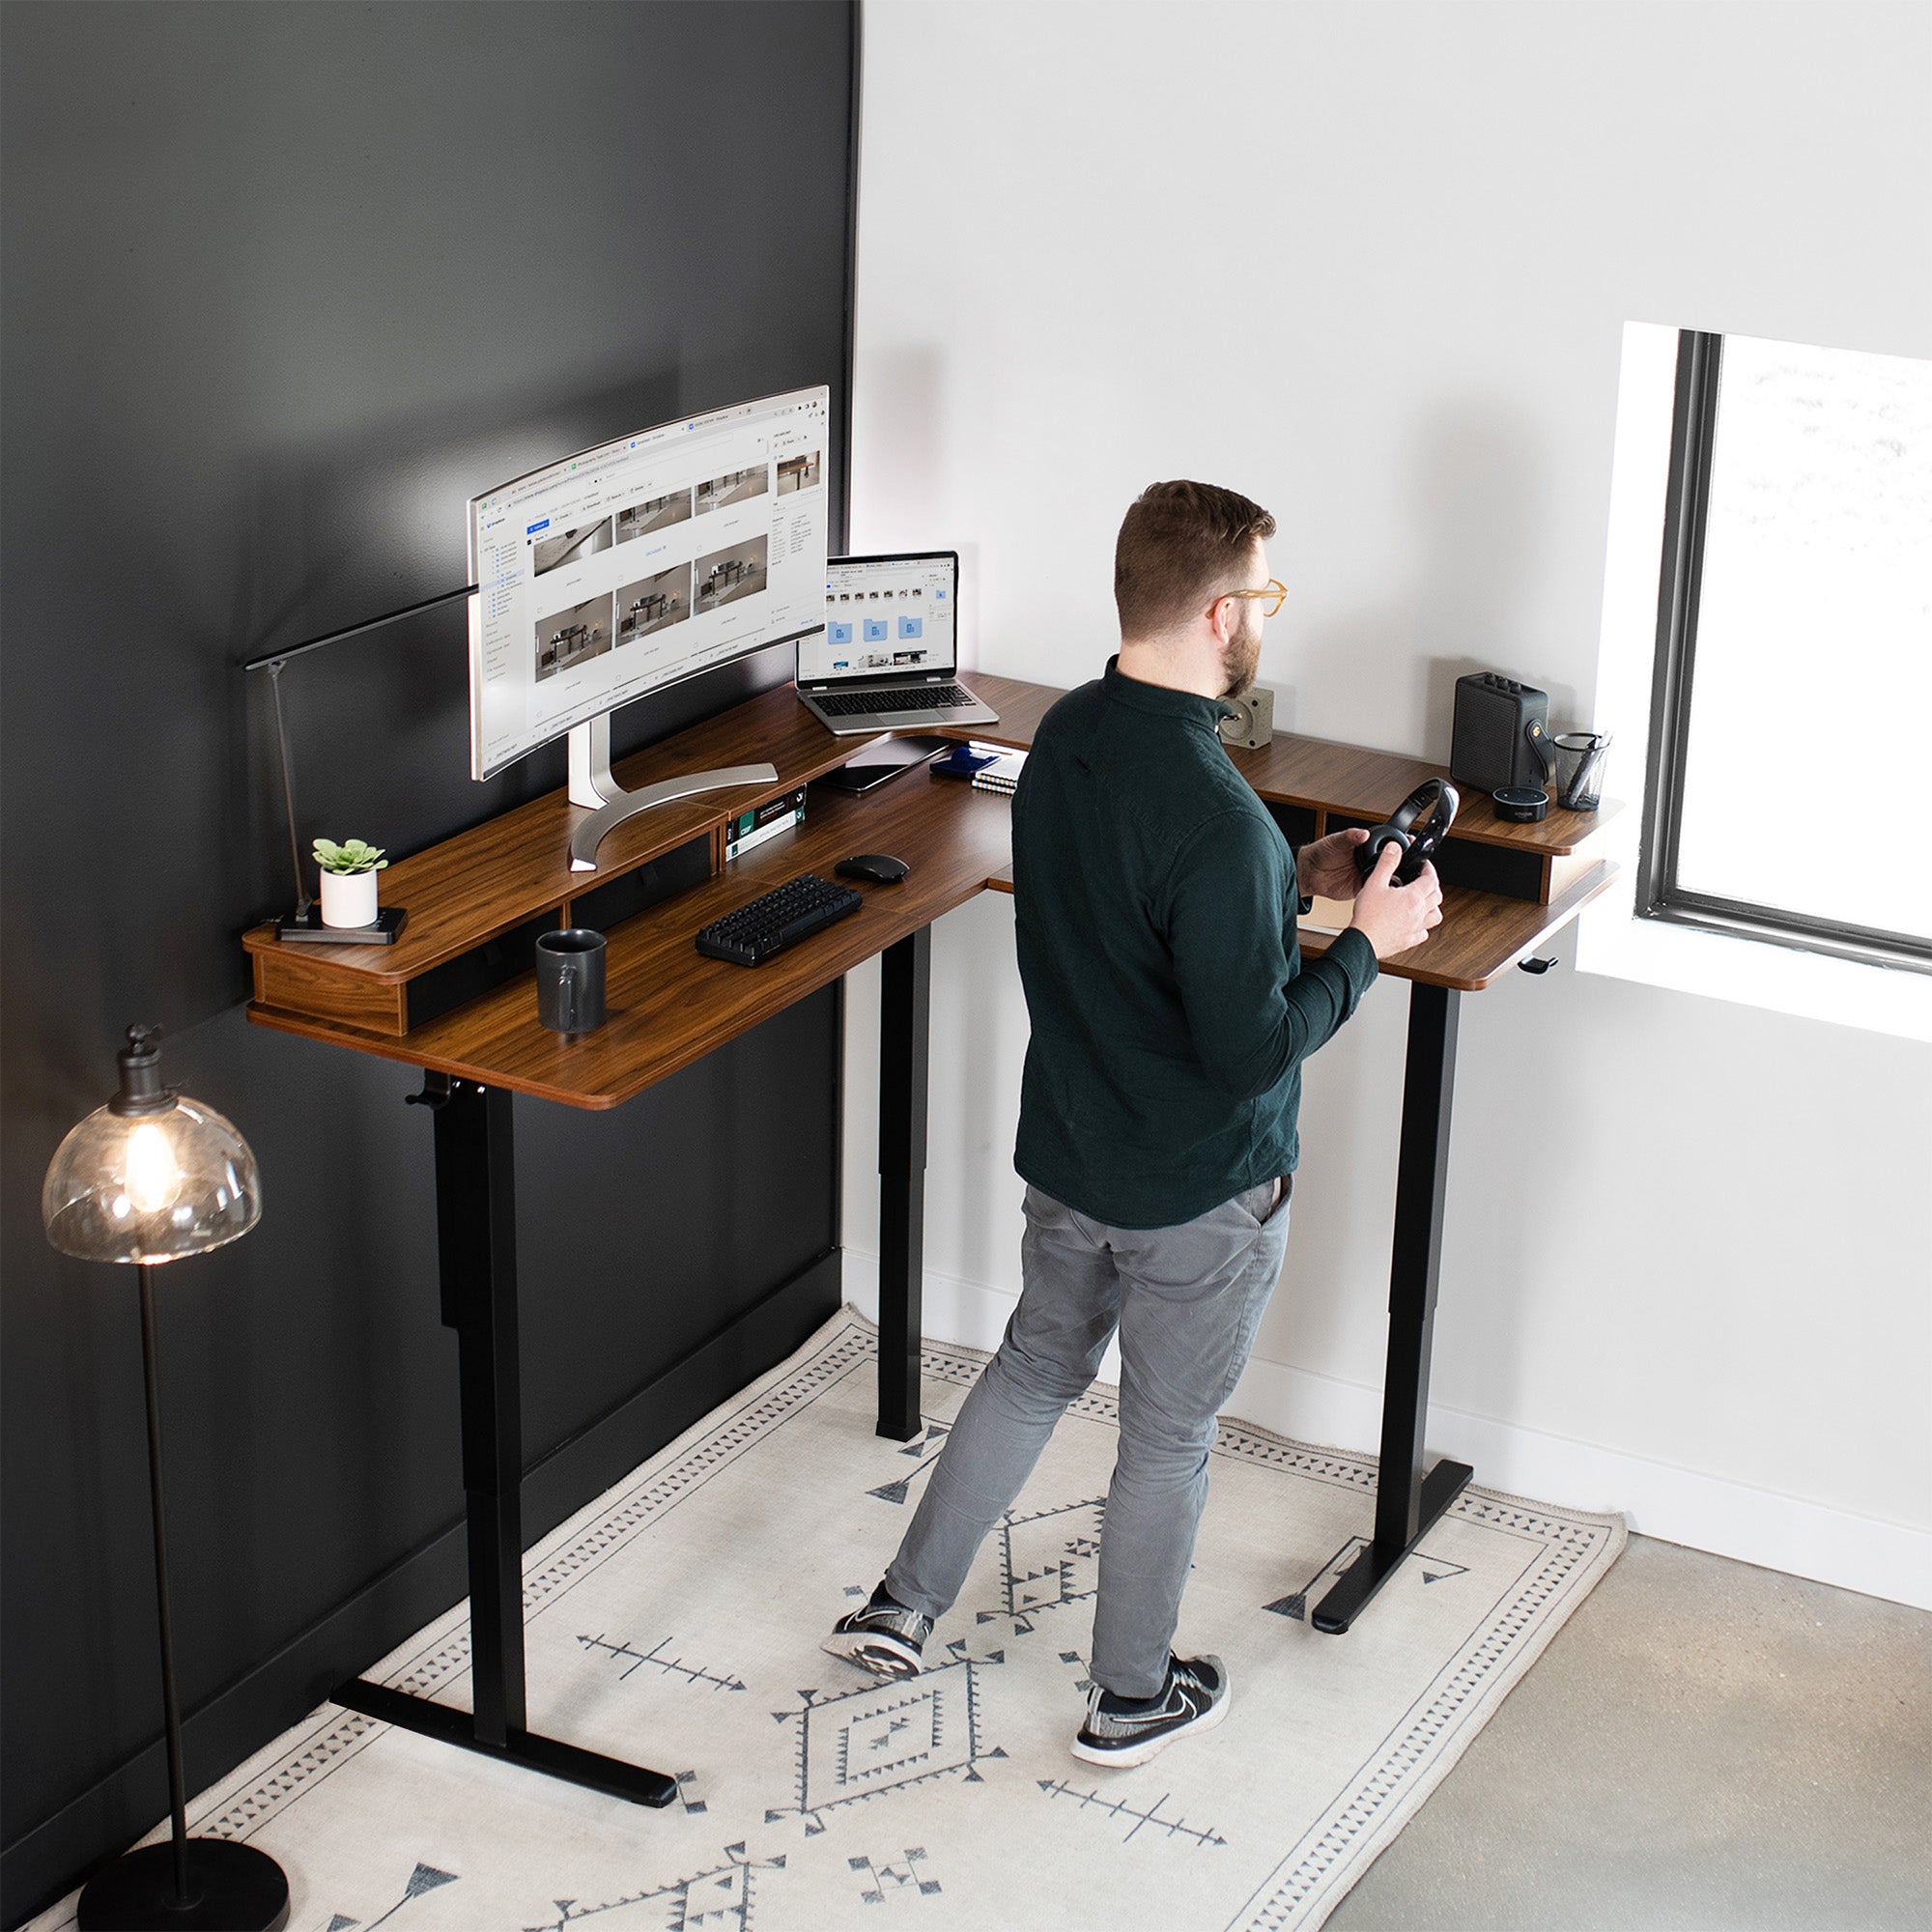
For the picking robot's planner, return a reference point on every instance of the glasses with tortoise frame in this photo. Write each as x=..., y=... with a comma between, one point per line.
x=1274, y=590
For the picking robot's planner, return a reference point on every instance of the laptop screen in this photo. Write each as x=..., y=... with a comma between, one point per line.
x=886, y=617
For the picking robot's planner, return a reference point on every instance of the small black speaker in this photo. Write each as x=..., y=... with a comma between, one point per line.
x=1500, y=733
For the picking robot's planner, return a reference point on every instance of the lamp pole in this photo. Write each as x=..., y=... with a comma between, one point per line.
x=170, y=1704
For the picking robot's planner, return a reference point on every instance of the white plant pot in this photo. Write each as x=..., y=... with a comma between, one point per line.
x=348, y=899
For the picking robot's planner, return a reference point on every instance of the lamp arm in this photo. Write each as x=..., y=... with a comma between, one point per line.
x=268, y=660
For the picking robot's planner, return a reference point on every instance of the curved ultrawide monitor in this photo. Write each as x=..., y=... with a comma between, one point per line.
x=615, y=571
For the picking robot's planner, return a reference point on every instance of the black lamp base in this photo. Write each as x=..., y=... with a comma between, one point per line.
x=308, y=927
x=233, y=1888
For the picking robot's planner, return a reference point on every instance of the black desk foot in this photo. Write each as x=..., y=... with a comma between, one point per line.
x=608, y=1774
x=1374, y=1566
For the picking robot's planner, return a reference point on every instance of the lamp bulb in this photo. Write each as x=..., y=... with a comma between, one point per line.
x=153, y=1175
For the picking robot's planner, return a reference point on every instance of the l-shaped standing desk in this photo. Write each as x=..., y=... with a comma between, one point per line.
x=455, y=996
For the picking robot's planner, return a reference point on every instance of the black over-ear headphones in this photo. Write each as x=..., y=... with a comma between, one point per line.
x=1441, y=801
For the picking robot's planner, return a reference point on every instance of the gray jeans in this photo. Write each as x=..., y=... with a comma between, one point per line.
x=1186, y=1300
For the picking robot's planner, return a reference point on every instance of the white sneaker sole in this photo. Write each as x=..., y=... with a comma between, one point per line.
x=874, y=1651
x=1125, y=1756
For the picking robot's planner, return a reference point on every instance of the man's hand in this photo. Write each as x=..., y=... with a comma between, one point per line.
x=1393, y=918
x=1325, y=869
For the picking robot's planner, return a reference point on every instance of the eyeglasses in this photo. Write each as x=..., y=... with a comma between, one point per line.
x=1274, y=589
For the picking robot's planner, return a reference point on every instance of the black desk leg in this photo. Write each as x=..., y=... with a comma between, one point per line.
x=476, y=1254
x=1407, y=1502
x=906, y=1002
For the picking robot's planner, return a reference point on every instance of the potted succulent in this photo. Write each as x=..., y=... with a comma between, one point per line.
x=348, y=881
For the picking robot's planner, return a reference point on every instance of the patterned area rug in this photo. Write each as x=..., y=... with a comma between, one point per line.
x=677, y=1622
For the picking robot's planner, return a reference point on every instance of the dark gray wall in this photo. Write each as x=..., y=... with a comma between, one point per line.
x=284, y=286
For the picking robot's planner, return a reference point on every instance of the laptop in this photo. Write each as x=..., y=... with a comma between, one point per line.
x=888, y=658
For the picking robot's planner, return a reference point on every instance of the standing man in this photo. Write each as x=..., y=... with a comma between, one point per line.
x=1154, y=906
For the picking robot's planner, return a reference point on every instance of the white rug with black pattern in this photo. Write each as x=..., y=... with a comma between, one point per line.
x=675, y=1622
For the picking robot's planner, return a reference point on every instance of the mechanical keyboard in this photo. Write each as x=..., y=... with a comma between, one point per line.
x=928, y=698
x=781, y=918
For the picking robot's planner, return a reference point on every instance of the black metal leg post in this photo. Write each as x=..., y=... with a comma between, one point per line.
x=905, y=1002
x=1407, y=1502
x=476, y=1259
x=476, y=1255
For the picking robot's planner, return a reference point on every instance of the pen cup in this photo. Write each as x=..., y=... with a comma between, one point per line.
x=1580, y=769
x=570, y=980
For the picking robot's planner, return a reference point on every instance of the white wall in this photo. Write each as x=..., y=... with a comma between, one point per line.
x=1371, y=264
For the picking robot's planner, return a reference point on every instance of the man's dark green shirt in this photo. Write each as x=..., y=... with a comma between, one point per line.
x=1155, y=904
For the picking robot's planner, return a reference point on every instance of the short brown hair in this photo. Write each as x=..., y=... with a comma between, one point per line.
x=1179, y=545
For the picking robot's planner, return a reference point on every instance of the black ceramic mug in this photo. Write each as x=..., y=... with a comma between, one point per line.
x=570, y=980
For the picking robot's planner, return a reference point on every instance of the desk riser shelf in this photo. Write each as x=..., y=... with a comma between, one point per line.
x=469, y=1009
x=669, y=1005
x=1513, y=871
x=1357, y=784
x=495, y=877
x=293, y=983
x=500, y=883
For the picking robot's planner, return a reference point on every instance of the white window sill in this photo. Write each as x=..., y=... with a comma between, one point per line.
x=1750, y=972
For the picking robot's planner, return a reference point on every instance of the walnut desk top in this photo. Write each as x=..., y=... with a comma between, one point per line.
x=669, y=1005
x=1483, y=932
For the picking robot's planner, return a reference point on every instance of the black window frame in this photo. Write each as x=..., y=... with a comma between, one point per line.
x=1658, y=894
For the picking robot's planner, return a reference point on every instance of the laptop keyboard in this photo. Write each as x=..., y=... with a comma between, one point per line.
x=859, y=703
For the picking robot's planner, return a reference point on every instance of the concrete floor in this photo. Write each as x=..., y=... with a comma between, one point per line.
x=1704, y=1748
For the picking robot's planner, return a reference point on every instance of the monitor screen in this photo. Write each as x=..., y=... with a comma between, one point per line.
x=885, y=617
x=620, y=570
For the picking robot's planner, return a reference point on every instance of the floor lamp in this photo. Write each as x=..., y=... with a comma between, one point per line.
x=147, y=1179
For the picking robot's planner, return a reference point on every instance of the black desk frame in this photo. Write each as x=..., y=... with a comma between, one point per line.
x=476, y=1265
x=476, y=1257
x=476, y=1262
x=1410, y=1503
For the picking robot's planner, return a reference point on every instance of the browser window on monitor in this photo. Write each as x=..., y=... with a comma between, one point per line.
x=617, y=571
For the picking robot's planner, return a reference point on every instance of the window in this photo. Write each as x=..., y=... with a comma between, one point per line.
x=1791, y=719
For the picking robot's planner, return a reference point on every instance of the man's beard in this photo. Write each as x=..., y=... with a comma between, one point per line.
x=1241, y=655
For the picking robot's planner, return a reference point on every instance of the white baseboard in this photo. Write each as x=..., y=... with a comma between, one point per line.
x=1777, y=1532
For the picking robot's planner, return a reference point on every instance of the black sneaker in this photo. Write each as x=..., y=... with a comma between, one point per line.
x=1129, y=1731
x=885, y=1637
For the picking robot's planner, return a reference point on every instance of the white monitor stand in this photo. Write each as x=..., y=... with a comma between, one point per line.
x=591, y=785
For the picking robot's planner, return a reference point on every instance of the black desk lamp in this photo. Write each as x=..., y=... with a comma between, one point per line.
x=148, y=1177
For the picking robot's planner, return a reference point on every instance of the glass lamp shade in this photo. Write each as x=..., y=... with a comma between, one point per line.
x=151, y=1186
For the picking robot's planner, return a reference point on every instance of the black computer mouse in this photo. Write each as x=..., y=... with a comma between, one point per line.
x=881, y=867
